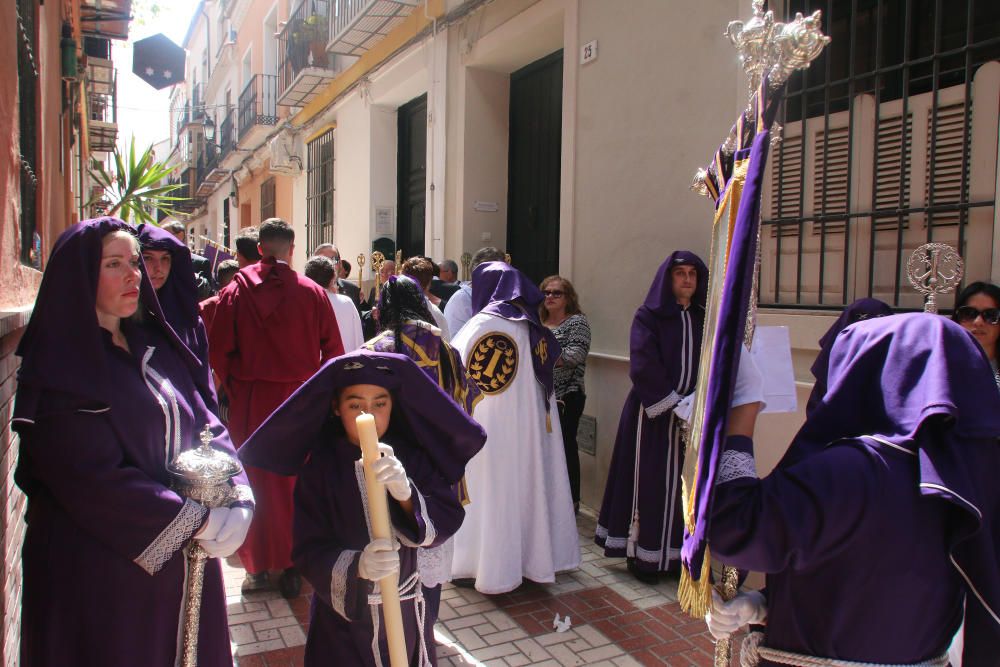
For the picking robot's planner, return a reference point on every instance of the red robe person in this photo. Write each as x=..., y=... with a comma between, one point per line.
x=271, y=332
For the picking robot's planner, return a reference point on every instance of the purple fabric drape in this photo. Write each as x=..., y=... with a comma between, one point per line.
x=730, y=331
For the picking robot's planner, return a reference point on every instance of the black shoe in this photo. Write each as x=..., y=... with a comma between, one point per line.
x=290, y=583
x=254, y=582
x=464, y=582
x=651, y=578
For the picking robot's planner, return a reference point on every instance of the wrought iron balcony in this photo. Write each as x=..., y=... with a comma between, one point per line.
x=258, y=104
x=227, y=133
x=187, y=203
x=358, y=25
x=305, y=67
x=102, y=105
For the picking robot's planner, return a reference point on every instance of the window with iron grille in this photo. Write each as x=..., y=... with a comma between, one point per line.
x=889, y=141
x=267, y=199
x=27, y=79
x=320, y=189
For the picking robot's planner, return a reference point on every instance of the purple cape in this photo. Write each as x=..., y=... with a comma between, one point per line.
x=434, y=422
x=862, y=309
x=62, y=346
x=501, y=290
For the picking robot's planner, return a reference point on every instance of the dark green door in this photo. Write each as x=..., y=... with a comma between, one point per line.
x=411, y=165
x=534, y=163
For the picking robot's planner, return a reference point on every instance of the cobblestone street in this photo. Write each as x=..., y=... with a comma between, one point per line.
x=616, y=620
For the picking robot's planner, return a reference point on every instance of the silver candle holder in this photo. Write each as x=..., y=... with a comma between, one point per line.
x=203, y=475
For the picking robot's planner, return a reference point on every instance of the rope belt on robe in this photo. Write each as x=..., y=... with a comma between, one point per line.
x=408, y=590
x=751, y=653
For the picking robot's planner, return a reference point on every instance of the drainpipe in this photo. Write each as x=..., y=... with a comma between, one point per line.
x=208, y=43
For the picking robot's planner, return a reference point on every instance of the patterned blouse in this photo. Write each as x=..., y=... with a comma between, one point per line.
x=573, y=336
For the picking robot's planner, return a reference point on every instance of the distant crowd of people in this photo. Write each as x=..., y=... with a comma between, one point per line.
x=877, y=530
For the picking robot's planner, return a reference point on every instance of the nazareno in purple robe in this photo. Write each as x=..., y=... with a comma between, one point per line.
x=641, y=512
x=178, y=299
x=881, y=519
x=862, y=309
x=431, y=436
x=103, y=568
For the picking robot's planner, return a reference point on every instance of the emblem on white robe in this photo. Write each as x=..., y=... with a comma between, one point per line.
x=493, y=362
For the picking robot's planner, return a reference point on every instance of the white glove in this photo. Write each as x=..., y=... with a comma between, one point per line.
x=749, y=382
x=725, y=618
x=230, y=535
x=684, y=407
x=216, y=518
x=379, y=559
x=389, y=471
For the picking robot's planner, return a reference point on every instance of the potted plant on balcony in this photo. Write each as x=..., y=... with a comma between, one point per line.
x=313, y=38
x=134, y=190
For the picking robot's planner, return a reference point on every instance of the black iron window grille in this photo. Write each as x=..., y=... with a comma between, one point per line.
x=320, y=190
x=889, y=142
x=27, y=81
x=258, y=104
x=227, y=132
x=267, y=204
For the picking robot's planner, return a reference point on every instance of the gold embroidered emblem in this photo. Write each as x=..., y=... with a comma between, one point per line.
x=542, y=350
x=493, y=362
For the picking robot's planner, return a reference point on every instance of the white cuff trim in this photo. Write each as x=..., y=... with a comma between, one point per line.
x=338, y=581
x=173, y=537
x=430, y=532
x=664, y=404
x=734, y=465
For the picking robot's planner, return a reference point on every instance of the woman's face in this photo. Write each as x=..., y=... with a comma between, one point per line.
x=358, y=399
x=118, y=281
x=157, y=266
x=986, y=333
x=555, y=295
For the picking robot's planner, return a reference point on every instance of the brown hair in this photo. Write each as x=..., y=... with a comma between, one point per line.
x=420, y=269
x=569, y=293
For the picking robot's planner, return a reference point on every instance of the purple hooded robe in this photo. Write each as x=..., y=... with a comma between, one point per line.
x=882, y=517
x=104, y=570
x=431, y=436
x=641, y=513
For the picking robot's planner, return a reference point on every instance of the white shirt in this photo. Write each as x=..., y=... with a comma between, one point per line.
x=348, y=321
x=441, y=320
x=458, y=311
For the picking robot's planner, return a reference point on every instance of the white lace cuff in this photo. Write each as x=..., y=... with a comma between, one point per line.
x=242, y=496
x=430, y=532
x=173, y=537
x=735, y=464
x=338, y=581
x=664, y=404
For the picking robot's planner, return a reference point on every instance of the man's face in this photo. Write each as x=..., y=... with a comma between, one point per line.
x=181, y=235
x=330, y=253
x=157, y=266
x=447, y=275
x=388, y=268
x=684, y=282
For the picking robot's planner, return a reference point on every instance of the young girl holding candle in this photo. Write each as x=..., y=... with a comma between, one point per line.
x=425, y=441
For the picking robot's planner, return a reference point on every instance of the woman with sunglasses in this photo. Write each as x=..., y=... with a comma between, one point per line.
x=560, y=312
x=978, y=312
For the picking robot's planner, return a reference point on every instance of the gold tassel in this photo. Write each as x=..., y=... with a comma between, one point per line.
x=548, y=423
x=695, y=597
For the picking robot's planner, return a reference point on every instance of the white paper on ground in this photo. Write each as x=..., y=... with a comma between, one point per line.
x=772, y=352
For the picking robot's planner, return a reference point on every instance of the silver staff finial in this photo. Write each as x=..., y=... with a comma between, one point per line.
x=934, y=268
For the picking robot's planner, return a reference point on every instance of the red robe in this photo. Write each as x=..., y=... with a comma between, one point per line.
x=272, y=330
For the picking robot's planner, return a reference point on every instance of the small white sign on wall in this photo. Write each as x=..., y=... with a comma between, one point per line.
x=588, y=52
x=383, y=220
x=486, y=206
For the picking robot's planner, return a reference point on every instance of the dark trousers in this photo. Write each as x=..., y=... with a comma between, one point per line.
x=570, y=411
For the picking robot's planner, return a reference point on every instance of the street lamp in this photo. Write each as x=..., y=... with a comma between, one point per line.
x=209, y=129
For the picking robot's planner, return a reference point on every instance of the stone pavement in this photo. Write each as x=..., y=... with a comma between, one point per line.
x=616, y=620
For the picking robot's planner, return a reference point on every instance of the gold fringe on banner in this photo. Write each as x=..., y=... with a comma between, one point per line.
x=695, y=597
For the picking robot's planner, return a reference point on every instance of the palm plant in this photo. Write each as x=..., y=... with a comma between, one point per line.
x=135, y=188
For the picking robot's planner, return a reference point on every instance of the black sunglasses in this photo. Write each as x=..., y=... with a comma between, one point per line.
x=552, y=292
x=969, y=314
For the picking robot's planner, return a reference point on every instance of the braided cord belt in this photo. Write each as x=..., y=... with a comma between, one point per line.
x=751, y=653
